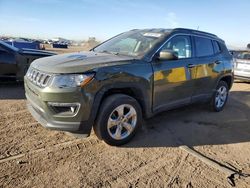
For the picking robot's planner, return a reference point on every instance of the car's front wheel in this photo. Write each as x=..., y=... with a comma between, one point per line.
x=118, y=119
x=220, y=97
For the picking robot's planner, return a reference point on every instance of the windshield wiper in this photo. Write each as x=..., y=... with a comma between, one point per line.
x=108, y=52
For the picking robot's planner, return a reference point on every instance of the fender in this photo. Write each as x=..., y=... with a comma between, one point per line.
x=143, y=97
x=227, y=75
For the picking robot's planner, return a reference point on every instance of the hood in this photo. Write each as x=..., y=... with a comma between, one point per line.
x=77, y=62
x=27, y=51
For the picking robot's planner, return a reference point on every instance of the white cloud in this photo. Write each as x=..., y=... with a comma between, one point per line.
x=172, y=20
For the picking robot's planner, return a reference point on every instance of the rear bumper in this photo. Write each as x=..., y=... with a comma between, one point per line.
x=242, y=78
x=242, y=75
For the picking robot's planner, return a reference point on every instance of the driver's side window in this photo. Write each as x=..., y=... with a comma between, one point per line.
x=179, y=44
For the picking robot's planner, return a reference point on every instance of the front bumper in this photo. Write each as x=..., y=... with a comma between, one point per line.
x=39, y=98
x=57, y=125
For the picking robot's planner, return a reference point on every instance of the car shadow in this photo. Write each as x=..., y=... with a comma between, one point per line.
x=10, y=89
x=196, y=125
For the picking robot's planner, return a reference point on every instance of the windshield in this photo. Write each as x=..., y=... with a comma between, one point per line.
x=244, y=55
x=134, y=43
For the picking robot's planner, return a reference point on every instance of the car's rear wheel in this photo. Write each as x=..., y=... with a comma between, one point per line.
x=220, y=97
x=118, y=120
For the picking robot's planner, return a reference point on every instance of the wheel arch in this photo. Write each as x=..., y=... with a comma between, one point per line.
x=134, y=90
x=228, y=79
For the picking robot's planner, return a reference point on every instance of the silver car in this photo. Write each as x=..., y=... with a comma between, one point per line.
x=242, y=65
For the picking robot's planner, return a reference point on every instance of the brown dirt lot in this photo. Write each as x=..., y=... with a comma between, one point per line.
x=31, y=156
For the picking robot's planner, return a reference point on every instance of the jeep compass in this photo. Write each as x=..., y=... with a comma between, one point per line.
x=131, y=76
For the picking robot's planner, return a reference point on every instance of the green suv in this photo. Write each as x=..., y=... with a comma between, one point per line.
x=131, y=76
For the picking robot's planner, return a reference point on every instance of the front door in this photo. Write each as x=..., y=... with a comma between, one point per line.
x=174, y=79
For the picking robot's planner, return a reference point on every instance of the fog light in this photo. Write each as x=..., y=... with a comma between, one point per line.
x=64, y=109
x=72, y=109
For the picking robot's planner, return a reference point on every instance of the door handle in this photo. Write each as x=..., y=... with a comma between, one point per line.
x=218, y=62
x=190, y=66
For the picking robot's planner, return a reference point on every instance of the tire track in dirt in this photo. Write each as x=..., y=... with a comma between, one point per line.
x=177, y=171
x=77, y=142
x=144, y=172
x=147, y=163
x=33, y=162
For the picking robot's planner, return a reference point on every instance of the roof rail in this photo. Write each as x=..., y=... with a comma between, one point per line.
x=195, y=31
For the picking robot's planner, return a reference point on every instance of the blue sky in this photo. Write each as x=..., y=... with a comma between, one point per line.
x=79, y=19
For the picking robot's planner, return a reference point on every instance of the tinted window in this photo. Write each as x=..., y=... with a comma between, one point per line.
x=216, y=47
x=181, y=45
x=243, y=55
x=204, y=47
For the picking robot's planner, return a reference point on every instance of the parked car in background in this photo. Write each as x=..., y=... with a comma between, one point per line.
x=14, y=62
x=134, y=75
x=242, y=65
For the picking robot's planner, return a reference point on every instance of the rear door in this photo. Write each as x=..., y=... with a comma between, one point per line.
x=174, y=79
x=209, y=66
x=8, y=66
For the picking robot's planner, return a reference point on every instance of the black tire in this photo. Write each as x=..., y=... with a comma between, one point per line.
x=213, y=103
x=107, y=109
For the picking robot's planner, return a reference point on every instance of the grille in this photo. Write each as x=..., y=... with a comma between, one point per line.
x=38, y=78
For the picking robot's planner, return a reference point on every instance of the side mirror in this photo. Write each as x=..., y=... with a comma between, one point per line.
x=168, y=55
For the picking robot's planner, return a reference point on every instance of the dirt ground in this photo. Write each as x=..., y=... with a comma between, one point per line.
x=31, y=156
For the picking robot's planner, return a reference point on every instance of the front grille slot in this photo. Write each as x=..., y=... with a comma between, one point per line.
x=38, y=78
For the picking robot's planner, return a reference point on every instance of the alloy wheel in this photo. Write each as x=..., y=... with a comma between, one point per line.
x=221, y=96
x=122, y=121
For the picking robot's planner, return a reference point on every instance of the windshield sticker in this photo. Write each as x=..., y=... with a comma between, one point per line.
x=156, y=35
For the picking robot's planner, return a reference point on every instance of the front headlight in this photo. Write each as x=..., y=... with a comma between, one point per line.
x=71, y=80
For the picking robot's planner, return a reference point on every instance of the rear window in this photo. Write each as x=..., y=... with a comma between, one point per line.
x=217, y=48
x=244, y=55
x=204, y=47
